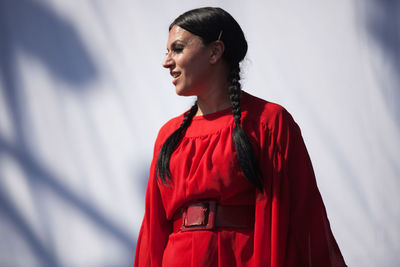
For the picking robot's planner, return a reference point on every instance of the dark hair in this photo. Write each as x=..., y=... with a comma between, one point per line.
x=211, y=24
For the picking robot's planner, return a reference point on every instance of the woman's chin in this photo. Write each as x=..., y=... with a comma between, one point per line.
x=182, y=92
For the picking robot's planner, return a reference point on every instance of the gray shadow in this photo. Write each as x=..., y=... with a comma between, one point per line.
x=30, y=28
x=383, y=26
x=36, y=30
x=42, y=177
x=42, y=254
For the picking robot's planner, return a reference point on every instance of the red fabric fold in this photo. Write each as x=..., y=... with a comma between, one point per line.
x=291, y=226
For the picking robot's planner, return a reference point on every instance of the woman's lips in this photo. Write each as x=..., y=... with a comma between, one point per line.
x=175, y=75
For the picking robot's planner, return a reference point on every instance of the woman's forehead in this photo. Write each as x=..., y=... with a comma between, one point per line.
x=178, y=34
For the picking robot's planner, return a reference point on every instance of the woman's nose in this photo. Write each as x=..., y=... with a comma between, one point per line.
x=168, y=61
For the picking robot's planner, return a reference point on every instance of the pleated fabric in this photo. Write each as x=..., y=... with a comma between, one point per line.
x=291, y=226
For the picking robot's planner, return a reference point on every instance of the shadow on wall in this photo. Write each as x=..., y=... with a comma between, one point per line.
x=383, y=25
x=34, y=29
x=41, y=177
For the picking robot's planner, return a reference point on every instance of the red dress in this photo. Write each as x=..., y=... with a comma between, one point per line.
x=291, y=227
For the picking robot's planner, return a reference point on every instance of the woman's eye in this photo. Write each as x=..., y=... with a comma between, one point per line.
x=177, y=49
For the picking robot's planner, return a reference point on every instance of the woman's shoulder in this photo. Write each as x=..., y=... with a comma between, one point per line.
x=171, y=125
x=265, y=112
x=168, y=128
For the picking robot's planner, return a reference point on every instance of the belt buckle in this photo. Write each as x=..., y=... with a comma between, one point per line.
x=199, y=216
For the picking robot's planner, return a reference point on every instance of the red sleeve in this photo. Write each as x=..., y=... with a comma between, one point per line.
x=291, y=228
x=153, y=235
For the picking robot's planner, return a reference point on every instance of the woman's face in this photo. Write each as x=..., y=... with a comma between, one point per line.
x=188, y=62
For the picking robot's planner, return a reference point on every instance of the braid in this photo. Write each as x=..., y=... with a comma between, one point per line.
x=170, y=144
x=245, y=155
x=235, y=93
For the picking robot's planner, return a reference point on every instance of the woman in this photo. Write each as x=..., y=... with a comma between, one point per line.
x=231, y=182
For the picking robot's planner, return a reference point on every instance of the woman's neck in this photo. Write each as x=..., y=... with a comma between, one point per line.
x=215, y=96
x=213, y=101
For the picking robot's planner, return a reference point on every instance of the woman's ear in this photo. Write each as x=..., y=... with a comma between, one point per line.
x=217, y=49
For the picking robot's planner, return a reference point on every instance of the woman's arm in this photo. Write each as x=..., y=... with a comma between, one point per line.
x=155, y=228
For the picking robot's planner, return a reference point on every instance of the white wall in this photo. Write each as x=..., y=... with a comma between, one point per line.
x=83, y=94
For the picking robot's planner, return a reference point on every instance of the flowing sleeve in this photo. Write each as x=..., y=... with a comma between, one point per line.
x=155, y=229
x=291, y=224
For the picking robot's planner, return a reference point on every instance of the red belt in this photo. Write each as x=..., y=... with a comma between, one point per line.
x=207, y=215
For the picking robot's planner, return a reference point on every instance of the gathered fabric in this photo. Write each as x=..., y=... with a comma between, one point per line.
x=291, y=227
